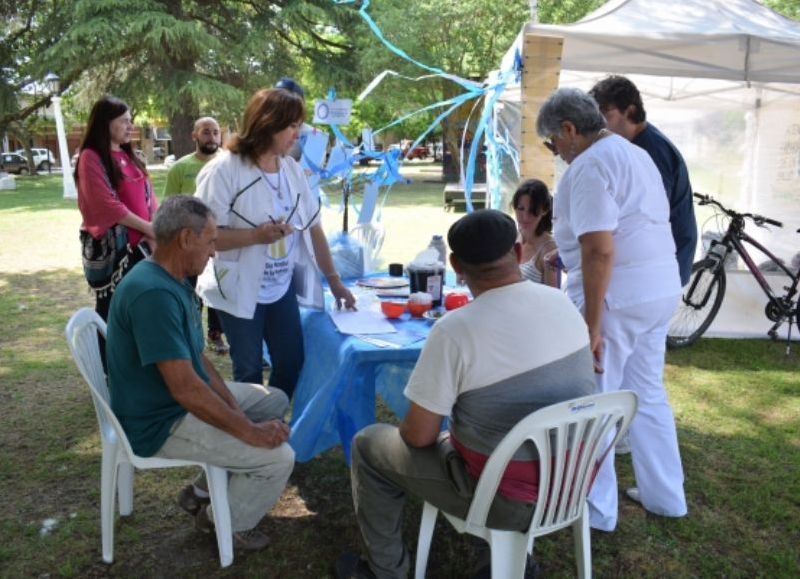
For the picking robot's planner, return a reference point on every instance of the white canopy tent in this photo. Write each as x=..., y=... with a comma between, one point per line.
x=720, y=77
x=722, y=39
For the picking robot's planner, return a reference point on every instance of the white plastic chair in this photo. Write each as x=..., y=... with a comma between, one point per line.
x=370, y=236
x=571, y=438
x=118, y=458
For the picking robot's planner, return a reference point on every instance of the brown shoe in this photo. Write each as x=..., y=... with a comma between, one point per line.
x=216, y=344
x=252, y=540
x=202, y=522
x=190, y=502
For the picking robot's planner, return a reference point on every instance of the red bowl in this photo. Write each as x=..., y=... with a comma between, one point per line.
x=418, y=309
x=455, y=300
x=393, y=309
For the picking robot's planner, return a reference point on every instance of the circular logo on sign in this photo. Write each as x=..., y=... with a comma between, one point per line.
x=323, y=110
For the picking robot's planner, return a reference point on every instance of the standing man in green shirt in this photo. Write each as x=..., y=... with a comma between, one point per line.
x=181, y=180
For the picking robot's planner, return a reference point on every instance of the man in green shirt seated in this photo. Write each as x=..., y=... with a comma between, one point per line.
x=167, y=395
x=181, y=179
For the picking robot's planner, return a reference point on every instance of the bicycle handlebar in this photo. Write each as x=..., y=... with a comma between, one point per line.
x=759, y=220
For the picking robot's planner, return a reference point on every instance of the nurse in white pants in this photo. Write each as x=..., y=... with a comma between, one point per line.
x=611, y=224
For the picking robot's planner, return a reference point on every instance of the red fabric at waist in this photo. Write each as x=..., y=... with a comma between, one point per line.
x=520, y=480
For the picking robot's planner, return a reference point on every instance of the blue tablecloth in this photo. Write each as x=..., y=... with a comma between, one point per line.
x=335, y=395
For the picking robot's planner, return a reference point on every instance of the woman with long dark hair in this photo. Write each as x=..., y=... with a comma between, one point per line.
x=533, y=209
x=115, y=198
x=271, y=249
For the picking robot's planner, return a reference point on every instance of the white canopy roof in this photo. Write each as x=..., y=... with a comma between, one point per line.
x=720, y=77
x=723, y=39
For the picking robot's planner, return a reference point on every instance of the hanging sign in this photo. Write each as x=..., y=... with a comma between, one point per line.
x=332, y=112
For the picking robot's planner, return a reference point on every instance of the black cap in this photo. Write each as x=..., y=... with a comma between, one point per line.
x=290, y=85
x=482, y=236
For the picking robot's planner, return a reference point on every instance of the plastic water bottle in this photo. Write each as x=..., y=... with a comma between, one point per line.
x=437, y=243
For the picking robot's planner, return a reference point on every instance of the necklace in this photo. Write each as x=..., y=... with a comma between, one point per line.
x=600, y=134
x=277, y=186
x=281, y=200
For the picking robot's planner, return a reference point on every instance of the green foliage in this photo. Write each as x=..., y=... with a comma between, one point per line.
x=180, y=58
x=466, y=38
x=789, y=8
x=565, y=11
x=27, y=27
x=175, y=59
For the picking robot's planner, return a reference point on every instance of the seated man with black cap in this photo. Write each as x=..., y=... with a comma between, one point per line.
x=517, y=347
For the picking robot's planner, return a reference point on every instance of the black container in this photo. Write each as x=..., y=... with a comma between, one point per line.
x=396, y=269
x=428, y=279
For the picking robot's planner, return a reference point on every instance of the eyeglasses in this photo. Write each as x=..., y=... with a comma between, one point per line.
x=301, y=227
x=550, y=143
x=294, y=210
x=236, y=197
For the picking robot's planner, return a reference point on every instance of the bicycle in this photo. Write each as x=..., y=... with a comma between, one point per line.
x=703, y=294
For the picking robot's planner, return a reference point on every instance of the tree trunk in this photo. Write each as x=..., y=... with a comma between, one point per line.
x=181, y=123
x=25, y=137
x=453, y=133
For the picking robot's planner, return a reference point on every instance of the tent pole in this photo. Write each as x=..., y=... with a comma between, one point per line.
x=541, y=57
x=534, y=8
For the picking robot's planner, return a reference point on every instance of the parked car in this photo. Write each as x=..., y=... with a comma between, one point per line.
x=418, y=152
x=43, y=159
x=14, y=163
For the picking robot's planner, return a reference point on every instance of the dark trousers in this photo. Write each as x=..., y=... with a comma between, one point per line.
x=384, y=471
x=279, y=325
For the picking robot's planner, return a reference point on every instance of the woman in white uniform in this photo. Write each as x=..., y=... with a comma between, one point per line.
x=271, y=249
x=611, y=224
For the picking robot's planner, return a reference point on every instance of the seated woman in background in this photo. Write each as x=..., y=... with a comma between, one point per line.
x=533, y=209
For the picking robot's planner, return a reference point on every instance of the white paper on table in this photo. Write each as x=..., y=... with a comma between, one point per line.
x=361, y=322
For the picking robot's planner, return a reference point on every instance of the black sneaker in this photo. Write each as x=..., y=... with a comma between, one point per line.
x=351, y=566
x=190, y=502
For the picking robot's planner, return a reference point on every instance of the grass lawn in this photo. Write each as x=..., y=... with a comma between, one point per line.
x=737, y=405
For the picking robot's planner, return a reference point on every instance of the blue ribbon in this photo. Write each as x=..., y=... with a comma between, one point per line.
x=388, y=172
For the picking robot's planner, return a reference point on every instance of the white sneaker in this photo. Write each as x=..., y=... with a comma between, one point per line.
x=633, y=494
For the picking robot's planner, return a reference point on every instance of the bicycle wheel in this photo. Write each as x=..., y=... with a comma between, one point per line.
x=700, y=302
